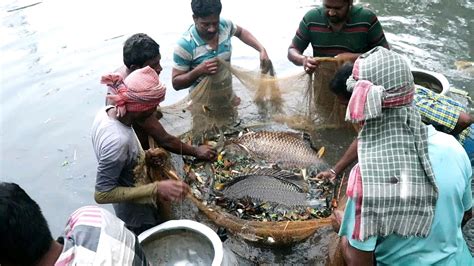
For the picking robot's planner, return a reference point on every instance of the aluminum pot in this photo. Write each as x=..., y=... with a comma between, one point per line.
x=182, y=242
x=437, y=82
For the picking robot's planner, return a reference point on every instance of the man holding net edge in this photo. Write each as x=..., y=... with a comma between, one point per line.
x=336, y=29
x=115, y=143
x=139, y=51
x=206, y=40
x=196, y=66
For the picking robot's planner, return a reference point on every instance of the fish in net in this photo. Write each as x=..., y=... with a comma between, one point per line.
x=285, y=149
x=267, y=185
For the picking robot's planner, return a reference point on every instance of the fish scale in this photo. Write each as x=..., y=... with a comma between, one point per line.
x=280, y=148
x=266, y=187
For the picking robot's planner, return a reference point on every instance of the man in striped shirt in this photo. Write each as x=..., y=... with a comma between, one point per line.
x=93, y=236
x=209, y=38
x=336, y=29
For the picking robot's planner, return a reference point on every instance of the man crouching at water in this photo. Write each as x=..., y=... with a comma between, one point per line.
x=117, y=149
x=407, y=200
x=93, y=236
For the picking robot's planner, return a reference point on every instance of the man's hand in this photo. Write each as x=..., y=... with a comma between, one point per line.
x=236, y=101
x=325, y=175
x=208, y=67
x=310, y=64
x=171, y=190
x=205, y=152
x=264, y=59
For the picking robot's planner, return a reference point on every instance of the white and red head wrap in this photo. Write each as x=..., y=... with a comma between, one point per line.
x=380, y=79
x=140, y=91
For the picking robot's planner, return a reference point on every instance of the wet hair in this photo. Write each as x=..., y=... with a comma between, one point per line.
x=24, y=233
x=205, y=8
x=338, y=82
x=138, y=49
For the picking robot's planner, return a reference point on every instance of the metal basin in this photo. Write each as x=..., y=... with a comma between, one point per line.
x=434, y=81
x=182, y=242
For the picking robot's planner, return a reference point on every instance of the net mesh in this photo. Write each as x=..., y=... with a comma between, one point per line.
x=239, y=97
x=300, y=101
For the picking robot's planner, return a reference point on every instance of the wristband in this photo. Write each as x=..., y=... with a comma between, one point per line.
x=332, y=171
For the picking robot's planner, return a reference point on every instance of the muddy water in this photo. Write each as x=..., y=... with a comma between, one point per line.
x=53, y=53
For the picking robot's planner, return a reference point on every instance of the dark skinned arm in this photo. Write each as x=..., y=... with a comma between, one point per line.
x=184, y=79
x=464, y=121
x=153, y=127
x=246, y=37
x=355, y=257
x=296, y=56
x=349, y=157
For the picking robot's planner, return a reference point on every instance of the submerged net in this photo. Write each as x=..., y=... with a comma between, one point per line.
x=301, y=101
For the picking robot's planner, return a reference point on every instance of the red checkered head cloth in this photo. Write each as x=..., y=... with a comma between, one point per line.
x=380, y=79
x=140, y=91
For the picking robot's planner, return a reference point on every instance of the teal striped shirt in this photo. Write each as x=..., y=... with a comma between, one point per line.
x=191, y=50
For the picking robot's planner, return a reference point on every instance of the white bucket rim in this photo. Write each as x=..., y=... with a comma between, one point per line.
x=193, y=226
x=440, y=77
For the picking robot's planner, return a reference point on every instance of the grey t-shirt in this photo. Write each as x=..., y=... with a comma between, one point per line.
x=116, y=148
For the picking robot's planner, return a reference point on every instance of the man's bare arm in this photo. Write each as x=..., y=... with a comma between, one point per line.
x=356, y=257
x=349, y=157
x=184, y=79
x=153, y=127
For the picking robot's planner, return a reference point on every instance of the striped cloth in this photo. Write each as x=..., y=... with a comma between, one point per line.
x=440, y=111
x=361, y=32
x=140, y=91
x=94, y=236
x=191, y=50
x=399, y=190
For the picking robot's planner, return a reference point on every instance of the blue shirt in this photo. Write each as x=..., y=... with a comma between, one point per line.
x=191, y=50
x=445, y=244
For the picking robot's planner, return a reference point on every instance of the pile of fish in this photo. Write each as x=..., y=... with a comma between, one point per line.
x=263, y=176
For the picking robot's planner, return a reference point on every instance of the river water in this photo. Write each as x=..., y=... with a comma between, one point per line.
x=54, y=52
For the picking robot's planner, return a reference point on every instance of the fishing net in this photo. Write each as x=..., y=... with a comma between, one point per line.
x=236, y=96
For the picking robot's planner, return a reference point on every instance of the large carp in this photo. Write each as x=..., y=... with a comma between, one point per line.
x=268, y=185
x=282, y=148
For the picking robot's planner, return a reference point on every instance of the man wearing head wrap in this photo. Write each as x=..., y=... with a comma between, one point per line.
x=139, y=51
x=117, y=150
x=395, y=211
